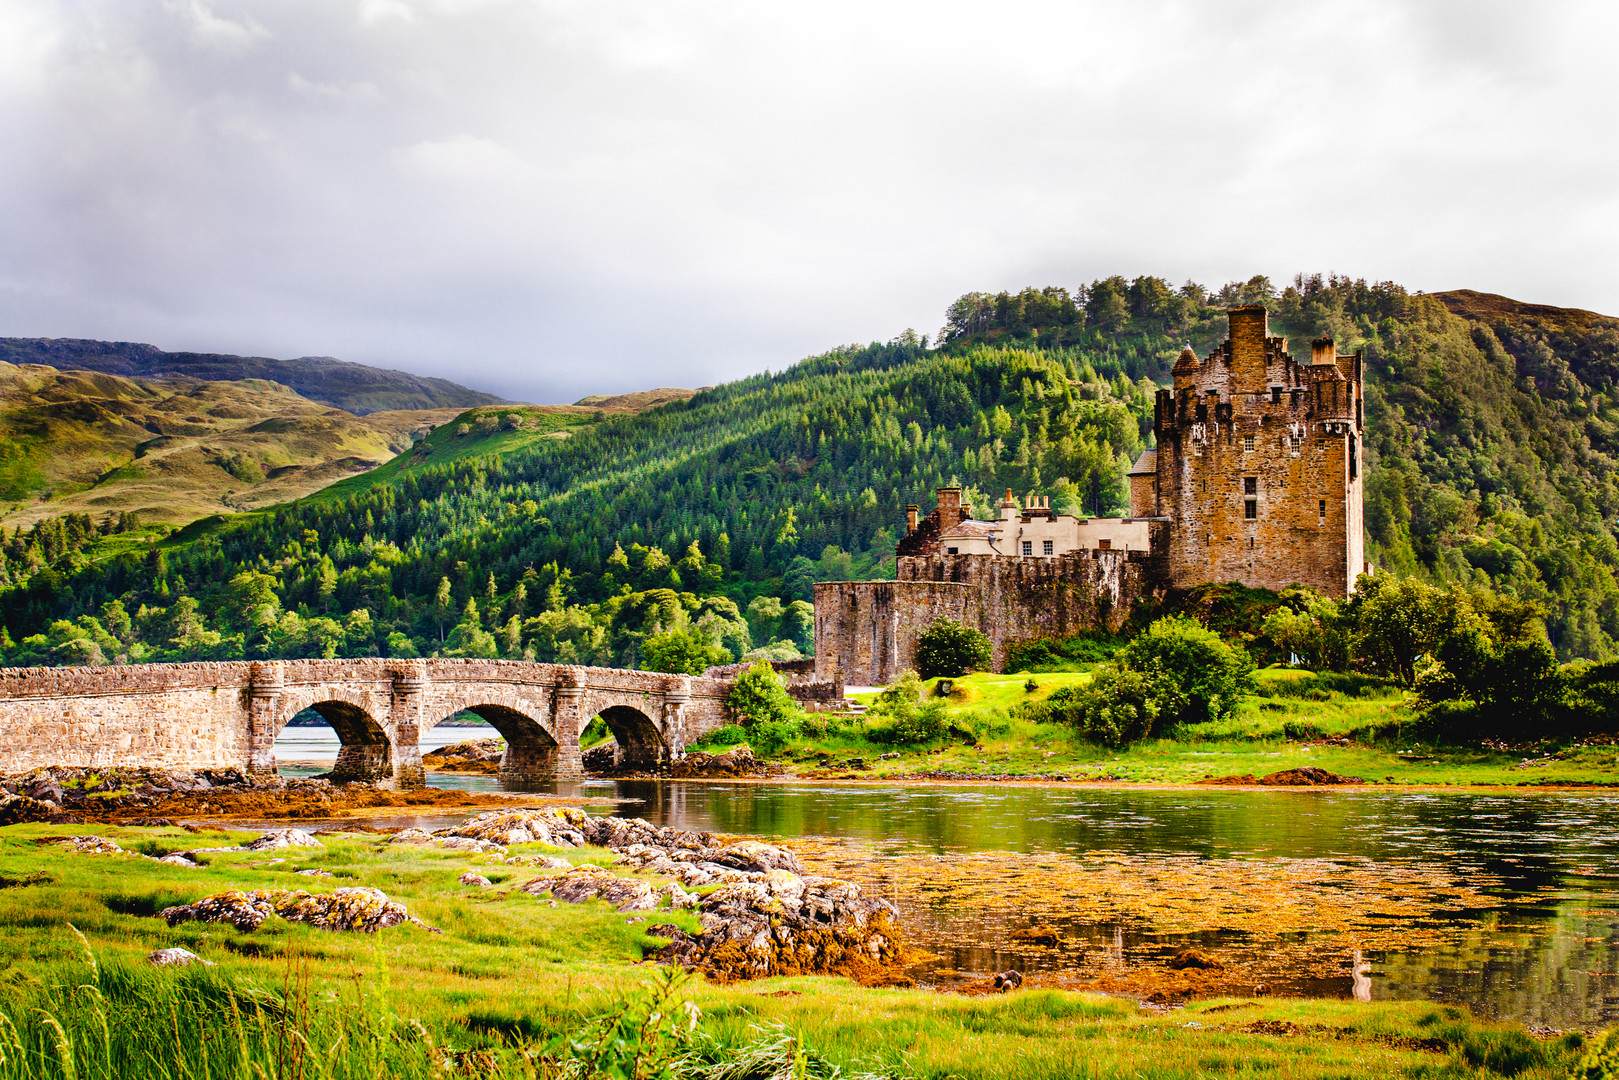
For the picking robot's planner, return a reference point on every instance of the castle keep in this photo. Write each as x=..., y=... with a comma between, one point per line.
x=1256, y=479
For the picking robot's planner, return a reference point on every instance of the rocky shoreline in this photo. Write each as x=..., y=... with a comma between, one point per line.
x=160, y=797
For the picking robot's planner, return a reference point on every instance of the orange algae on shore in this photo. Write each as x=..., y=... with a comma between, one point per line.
x=1123, y=917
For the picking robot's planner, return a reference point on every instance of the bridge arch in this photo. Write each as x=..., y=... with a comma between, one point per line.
x=531, y=746
x=366, y=751
x=640, y=740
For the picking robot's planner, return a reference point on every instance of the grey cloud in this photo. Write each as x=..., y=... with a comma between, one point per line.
x=549, y=199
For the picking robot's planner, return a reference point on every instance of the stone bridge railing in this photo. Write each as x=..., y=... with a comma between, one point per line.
x=228, y=714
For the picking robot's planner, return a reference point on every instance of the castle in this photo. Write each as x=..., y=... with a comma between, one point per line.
x=1256, y=478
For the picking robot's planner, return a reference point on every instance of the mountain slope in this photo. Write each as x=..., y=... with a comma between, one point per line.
x=176, y=449
x=355, y=388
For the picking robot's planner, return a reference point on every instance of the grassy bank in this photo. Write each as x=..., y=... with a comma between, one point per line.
x=1346, y=725
x=511, y=986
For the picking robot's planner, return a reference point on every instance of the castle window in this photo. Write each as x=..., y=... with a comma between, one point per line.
x=952, y=551
x=1323, y=511
x=1046, y=548
x=1250, y=509
x=1276, y=395
x=1250, y=485
x=1104, y=544
x=1202, y=411
x=1028, y=547
x=1247, y=444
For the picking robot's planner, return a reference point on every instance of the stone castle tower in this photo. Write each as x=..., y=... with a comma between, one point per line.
x=1258, y=463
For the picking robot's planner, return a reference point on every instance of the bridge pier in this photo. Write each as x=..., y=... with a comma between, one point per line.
x=405, y=710
x=266, y=681
x=565, y=762
x=674, y=719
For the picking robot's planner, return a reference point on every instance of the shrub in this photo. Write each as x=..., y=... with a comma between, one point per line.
x=950, y=649
x=758, y=697
x=902, y=717
x=1119, y=707
x=1195, y=675
x=1075, y=653
x=724, y=735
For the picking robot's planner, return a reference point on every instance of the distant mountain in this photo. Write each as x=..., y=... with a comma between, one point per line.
x=355, y=388
x=176, y=449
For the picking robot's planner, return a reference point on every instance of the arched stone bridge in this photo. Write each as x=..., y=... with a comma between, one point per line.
x=227, y=715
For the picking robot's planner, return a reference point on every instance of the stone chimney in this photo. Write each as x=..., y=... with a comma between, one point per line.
x=950, y=511
x=910, y=517
x=1323, y=351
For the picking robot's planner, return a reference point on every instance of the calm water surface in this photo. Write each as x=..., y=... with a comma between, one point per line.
x=1551, y=960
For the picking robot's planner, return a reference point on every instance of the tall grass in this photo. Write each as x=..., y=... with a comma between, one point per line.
x=117, y=1022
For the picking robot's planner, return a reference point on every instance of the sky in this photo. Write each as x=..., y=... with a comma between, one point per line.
x=551, y=198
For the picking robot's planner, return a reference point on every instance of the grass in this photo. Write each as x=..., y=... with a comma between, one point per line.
x=1351, y=726
x=510, y=975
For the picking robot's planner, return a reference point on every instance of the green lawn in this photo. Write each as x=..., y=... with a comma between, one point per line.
x=1363, y=731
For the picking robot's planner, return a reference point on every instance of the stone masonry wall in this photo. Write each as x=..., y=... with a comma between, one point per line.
x=866, y=631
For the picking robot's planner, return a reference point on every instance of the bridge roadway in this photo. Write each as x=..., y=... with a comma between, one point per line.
x=227, y=714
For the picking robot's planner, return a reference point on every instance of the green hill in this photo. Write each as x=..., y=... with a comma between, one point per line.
x=355, y=388
x=176, y=449
x=1491, y=459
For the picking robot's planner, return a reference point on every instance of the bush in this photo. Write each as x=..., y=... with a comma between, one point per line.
x=1074, y=653
x=758, y=697
x=1119, y=707
x=902, y=718
x=951, y=649
x=724, y=735
x=1194, y=674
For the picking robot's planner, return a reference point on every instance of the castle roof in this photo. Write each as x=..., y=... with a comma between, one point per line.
x=1187, y=362
x=970, y=528
x=1146, y=464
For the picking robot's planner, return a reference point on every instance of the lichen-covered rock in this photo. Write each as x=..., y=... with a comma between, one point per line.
x=176, y=957
x=276, y=839
x=757, y=857
x=766, y=918
x=90, y=845
x=354, y=909
x=470, y=878
x=178, y=859
x=556, y=826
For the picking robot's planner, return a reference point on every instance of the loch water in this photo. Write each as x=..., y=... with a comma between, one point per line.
x=1539, y=944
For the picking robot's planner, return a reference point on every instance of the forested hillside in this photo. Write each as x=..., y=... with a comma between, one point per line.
x=1491, y=456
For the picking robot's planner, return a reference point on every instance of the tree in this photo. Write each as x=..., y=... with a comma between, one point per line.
x=443, y=606
x=685, y=649
x=951, y=649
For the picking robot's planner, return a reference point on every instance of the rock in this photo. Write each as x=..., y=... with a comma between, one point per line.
x=90, y=845
x=314, y=872
x=178, y=859
x=756, y=857
x=353, y=909
x=1307, y=776
x=1008, y=980
x=553, y=826
x=1195, y=958
x=1037, y=935
x=44, y=789
x=599, y=758
x=589, y=882
x=411, y=836
x=470, y=878
x=176, y=957
x=283, y=838
x=15, y=809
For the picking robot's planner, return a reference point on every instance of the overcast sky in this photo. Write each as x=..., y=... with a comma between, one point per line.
x=547, y=198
